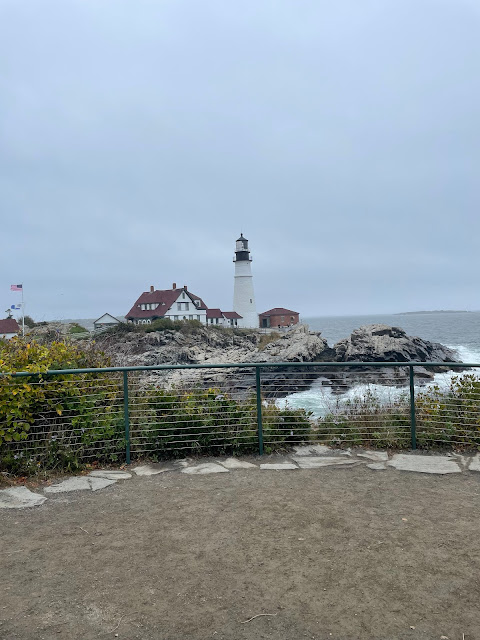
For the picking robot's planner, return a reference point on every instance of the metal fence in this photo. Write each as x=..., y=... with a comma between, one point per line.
x=118, y=413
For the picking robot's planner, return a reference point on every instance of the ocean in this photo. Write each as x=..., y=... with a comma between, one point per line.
x=459, y=331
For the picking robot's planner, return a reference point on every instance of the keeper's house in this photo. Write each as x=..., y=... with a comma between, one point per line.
x=178, y=304
x=8, y=328
x=174, y=303
x=278, y=317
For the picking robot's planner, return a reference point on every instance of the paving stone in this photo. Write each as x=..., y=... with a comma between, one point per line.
x=475, y=463
x=278, y=466
x=155, y=468
x=203, y=469
x=376, y=456
x=311, y=449
x=377, y=466
x=19, y=498
x=152, y=469
x=110, y=474
x=424, y=464
x=235, y=463
x=79, y=483
x=327, y=461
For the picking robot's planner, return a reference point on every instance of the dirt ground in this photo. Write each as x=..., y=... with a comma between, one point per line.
x=330, y=553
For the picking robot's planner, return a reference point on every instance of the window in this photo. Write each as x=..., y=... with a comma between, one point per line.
x=175, y=317
x=216, y=320
x=190, y=317
x=179, y=306
x=183, y=295
x=198, y=317
x=282, y=318
x=187, y=306
x=251, y=301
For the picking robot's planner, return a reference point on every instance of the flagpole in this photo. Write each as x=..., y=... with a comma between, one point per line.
x=23, y=316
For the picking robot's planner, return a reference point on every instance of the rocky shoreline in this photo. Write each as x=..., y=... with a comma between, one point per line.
x=210, y=345
x=368, y=344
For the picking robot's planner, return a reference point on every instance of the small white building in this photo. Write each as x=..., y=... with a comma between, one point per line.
x=8, y=328
x=223, y=318
x=106, y=321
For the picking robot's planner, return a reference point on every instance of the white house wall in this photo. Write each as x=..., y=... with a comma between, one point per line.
x=179, y=314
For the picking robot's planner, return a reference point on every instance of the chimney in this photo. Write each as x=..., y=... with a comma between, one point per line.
x=174, y=285
x=185, y=287
x=152, y=288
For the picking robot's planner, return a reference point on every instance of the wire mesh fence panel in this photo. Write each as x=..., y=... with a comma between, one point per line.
x=448, y=411
x=344, y=407
x=62, y=420
x=190, y=418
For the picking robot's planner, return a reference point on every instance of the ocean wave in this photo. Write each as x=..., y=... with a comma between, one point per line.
x=320, y=400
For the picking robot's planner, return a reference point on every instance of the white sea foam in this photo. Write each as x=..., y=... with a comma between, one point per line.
x=319, y=399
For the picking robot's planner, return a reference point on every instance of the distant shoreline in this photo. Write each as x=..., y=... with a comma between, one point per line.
x=415, y=313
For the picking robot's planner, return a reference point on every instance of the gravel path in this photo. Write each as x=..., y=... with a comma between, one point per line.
x=340, y=552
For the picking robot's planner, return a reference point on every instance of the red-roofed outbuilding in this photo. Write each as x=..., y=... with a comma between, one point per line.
x=278, y=317
x=8, y=328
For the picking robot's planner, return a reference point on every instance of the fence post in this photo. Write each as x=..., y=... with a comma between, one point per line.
x=259, y=411
x=126, y=417
x=413, y=417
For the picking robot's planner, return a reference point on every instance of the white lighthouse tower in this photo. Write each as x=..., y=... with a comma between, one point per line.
x=243, y=296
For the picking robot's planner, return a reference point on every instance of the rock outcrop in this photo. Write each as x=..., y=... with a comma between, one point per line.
x=214, y=346
x=381, y=343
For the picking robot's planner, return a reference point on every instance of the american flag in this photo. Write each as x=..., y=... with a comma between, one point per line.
x=16, y=287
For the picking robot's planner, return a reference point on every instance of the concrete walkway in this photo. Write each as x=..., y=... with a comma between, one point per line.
x=302, y=457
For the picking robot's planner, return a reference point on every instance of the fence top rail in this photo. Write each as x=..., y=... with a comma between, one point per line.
x=240, y=365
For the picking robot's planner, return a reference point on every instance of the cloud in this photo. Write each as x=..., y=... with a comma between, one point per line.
x=138, y=139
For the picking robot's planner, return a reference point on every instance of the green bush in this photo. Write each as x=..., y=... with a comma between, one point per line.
x=29, y=322
x=161, y=324
x=64, y=421
x=77, y=328
x=451, y=416
x=366, y=421
x=56, y=421
x=444, y=417
x=170, y=423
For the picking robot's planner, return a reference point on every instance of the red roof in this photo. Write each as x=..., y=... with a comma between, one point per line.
x=9, y=325
x=164, y=298
x=278, y=311
x=231, y=315
x=214, y=313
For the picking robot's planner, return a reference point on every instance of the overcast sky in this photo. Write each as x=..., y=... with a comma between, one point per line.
x=139, y=137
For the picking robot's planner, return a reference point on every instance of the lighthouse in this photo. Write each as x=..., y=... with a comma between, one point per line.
x=243, y=296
